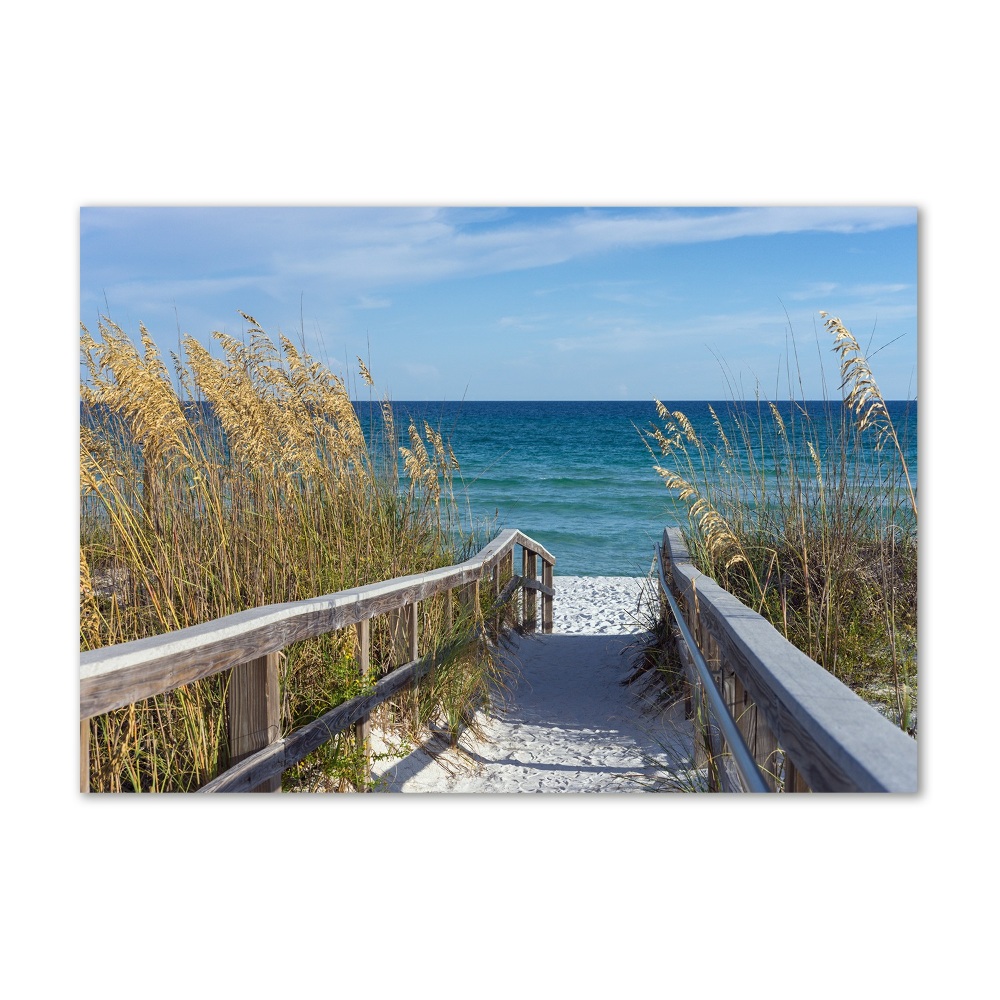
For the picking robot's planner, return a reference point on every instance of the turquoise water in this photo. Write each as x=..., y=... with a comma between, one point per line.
x=576, y=476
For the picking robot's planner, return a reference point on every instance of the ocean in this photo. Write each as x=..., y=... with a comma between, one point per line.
x=577, y=476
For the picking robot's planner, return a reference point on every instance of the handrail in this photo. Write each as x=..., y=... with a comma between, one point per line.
x=833, y=739
x=122, y=674
x=742, y=757
x=119, y=675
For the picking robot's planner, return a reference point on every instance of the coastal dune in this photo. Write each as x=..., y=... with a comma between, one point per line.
x=569, y=724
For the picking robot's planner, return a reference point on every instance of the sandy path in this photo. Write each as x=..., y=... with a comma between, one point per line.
x=569, y=725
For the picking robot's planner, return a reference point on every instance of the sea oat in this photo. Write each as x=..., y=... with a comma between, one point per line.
x=864, y=397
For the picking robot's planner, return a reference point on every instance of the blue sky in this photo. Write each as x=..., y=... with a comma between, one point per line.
x=530, y=303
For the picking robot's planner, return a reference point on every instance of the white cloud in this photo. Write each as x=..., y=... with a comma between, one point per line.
x=359, y=253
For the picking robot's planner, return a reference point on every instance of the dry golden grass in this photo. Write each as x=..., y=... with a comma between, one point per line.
x=811, y=523
x=246, y=481
x=864, y=398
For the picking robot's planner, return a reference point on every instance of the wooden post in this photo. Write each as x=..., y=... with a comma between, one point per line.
x=254, y=711
x=546, y=598
x=529, y=570
x=85, y=755
x=759, y=739
x=725, y=681
x=508, y=617
x=495, y=617
x=765, y=748
x=362, y=654
x=743, y=711
x=413, y=631
x=794, y=782
x=413, y=646
x=704, y=750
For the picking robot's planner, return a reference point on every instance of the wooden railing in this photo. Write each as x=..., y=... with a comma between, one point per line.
x=804, y=729
x=248, y=644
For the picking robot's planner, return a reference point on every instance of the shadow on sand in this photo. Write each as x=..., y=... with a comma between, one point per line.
x=567, y=714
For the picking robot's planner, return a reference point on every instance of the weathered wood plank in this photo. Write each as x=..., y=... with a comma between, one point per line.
x=254, y=712
x=729, y=776
x=836, y=741
x=362, y=655
x=538, y=586
x=85, y=755
x=129, y=672
x=136, y=670
x=509, y=590
x=495, y=593
x=529, y=564
x=548, y=591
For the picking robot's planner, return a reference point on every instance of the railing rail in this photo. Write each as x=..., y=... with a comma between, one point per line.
x=743, y=759
x=248, y=643
x=788, y=709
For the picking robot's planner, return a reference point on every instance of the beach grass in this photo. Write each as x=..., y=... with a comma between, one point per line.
x=237, y=477
x=810, y=518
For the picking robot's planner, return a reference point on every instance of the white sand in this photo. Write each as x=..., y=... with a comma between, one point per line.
x=569, y=725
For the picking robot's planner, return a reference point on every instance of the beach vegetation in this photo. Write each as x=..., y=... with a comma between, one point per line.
x=656, y=672
x=808, y=513
x=241, y=475
x=657, y=680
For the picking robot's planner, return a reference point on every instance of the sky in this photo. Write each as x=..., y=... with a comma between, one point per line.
x=525, y=303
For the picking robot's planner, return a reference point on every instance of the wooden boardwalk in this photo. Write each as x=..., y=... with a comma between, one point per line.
x=766, y=716
x=569, y=724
